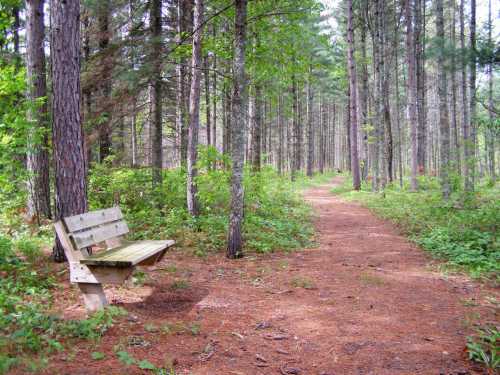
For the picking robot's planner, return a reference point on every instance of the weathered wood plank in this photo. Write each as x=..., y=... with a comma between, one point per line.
x=92, y=219
x=128, y=255
x=99, y=234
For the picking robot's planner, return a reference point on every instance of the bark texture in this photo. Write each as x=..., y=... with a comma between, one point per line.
x=37, y=160
x=156, y=92
x=356, y=180
x=412, y=94
x=238, y=133
x=69, y=158
x=194, y=111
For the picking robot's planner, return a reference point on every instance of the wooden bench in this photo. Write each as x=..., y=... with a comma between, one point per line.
x=110, y=266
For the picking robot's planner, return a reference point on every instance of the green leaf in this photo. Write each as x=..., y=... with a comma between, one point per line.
x=146, y=365
x=97, y=356
x=124, y=357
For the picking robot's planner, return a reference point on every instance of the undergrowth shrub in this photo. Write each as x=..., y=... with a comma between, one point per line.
x=276, y=218
x=26, y=327
x=463, y=231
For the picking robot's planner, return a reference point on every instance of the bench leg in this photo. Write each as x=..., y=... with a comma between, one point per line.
x=93, y=296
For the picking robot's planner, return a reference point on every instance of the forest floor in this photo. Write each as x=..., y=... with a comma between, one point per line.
x=364, y=301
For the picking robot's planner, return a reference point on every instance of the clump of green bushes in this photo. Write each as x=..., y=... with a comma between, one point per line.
x=276, y=217
x=27, y=330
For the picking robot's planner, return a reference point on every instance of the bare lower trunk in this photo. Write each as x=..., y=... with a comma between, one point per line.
x=156, y=93
x=207, y=101
x=465, y=105
x=356, y=180
x=257, y=129
x=472, y=91
x=194, y=111
x=106, y=80
x=37, y=160
x=444, y=125
x=238, y=134
x=281, y=134
x=412, y=95
x=310, y=126
x=67, y=134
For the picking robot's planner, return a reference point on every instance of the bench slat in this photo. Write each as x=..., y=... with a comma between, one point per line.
x=99, y=234
x=128, y=255
x=93, y=219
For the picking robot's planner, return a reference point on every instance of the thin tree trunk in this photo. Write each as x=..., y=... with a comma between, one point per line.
x=194, y=110
x=295, y=130
x=181, y=110
x=280, y=134
x=38, y=155
x=157, y=92
x=207, y=101
x=105, y=86
x=67, y=134
x=444, y=125
x=356, y=180
x=238, y=136
x=490, y=128
x=453, y=72
x=412, y=95
x=465, y=104
x=421, y=76
x=310, y=125
x=472, y=91
x=257, y=128
x=363, y=98
x=214, y=100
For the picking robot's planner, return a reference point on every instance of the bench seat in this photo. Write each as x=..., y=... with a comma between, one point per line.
x=128, y=255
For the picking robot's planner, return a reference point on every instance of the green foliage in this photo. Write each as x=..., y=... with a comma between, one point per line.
x=462, y=231
x=484, y=347
x=275, y=216
x=97, y=356
x=25, y=297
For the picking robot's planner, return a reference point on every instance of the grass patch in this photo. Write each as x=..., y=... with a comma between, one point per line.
x=463, y=231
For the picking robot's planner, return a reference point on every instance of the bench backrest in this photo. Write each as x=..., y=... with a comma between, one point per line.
x=94, y=227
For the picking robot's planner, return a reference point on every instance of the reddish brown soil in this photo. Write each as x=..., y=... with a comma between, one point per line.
x=365, y=301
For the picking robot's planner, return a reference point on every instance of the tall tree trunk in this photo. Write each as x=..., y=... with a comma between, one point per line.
x=444, y=126
x=322, y=120
x=214, y=99
x=472, y=91
x=16, y=25
x=412, y=94
x=106, y=81
x=156, y=92
x=465, y=104
x=133, y=135
x=353, y=110
x=181, y=110
x=295, y=130
x=194, y=110
x=453, y=72
x=257, y=128
x=38, y=154
x=281, y=134
x=207, y=100
x=421, y=89
x=363, y=97
x=67, y=134
x=310, y=125
x=238, y=136
x=490, y=128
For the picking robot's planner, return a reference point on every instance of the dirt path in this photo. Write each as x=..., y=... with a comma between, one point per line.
x=363, y=302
